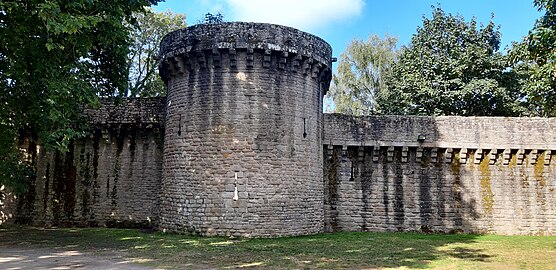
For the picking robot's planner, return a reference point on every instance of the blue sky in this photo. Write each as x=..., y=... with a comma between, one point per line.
x=340, y=21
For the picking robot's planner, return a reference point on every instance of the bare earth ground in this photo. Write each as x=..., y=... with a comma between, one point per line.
x=12, y=258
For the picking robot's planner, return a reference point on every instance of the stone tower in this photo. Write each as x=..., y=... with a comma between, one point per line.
x=243, y=142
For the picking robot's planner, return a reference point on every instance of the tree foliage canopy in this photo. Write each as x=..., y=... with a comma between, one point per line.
x=361, y=72
x=143, y=79
x=452, y=67
x=213, y=18
x=56, y=55
x=538, y=54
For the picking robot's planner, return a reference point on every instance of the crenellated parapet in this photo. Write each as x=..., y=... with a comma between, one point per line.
x=241, y=45
x=439, y=156
x=500, y=138
x=141, y=112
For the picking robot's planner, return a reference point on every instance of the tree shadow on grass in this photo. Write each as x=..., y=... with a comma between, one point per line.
x=379, y=250
x=330, y=251
x=472, y=254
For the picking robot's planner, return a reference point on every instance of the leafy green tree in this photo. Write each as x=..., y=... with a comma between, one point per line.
x=452, y=67
x=56, y=55
x=538, y=51
x=361, y=73
x=143, y=78
x=213, y=18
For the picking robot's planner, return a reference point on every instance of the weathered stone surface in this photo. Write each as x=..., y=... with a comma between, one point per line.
x=240, y=147
x=243, y=144
x=441, y=131
x=221, y=45
x=471, y=174
x=110, y=178
x=141, y=112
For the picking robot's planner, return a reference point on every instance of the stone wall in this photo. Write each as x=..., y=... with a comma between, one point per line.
x=442, y=174
x=391, y=173
x=111, y=177
x=240, y=147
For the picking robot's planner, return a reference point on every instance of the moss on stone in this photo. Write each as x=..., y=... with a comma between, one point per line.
x=538, y=170
x=486, y=190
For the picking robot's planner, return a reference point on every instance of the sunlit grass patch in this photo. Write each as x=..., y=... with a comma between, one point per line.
x=141, y=246
x=131, y=238
x=327, y=251
x=245, y=265
x=189, y=242
x=223, y=243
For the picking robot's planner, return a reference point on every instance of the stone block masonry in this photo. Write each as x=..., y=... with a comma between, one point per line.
x=240, y=147
x=110, y=178
x=443, y=174
x=243, y=141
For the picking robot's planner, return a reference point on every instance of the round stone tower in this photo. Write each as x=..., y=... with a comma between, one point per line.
x=243, y=138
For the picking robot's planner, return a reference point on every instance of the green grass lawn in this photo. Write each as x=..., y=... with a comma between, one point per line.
x=326, y=251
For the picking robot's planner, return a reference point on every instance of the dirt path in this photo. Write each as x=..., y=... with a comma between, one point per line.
x=49, y=258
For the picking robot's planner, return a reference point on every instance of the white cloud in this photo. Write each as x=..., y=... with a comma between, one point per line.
x=307, y=15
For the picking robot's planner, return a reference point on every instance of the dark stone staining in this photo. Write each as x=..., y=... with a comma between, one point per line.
x=132, y=147
x=206, y=121
x=216, y=82
x=366, y=188
x=425, y=200
x=332, y=199
x=121, y=137
x=439, y=182
x=46, y=187
x=145, y=150
x=25, y=206
x=58, y=188
x=64, y=182
x=386, y=187
x=86, y=180
x=70, y=183
x=437, y=192
x=457, y=189
x=398, y=191
x=64, y=187
x=97, y=134
x=426, y=159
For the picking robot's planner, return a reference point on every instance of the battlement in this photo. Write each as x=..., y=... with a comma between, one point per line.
x=245, y=45
x=441, y=132
x=142, y=112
